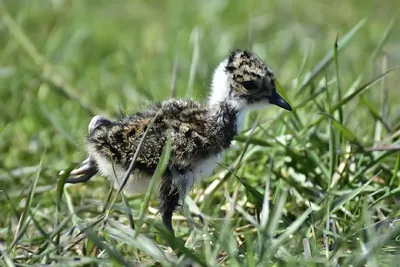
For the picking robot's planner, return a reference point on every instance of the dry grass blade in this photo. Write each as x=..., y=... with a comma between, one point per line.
x=383, y=148
x=174, y=76
x=6, y=257
x=266, y=205
x=307, y=248
x=195, y=40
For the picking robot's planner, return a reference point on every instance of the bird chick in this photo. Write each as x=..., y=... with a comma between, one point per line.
x=199, y=133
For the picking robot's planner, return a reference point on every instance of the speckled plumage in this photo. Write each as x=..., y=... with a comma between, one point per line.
x=200, y=132
x=195, y=134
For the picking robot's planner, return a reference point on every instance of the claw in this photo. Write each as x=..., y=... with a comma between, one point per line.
x=88, y=167
x=87, y=171
x=82, y=170
x=88, y=174
x=86, y=161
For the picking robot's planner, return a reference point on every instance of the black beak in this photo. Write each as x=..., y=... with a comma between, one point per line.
x=276, y=99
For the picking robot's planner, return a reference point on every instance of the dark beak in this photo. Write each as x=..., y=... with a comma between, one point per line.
x=276, y=99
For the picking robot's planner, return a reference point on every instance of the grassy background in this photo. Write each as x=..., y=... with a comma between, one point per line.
x=61, y=62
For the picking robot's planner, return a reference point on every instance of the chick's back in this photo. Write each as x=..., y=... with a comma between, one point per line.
x=191, y=132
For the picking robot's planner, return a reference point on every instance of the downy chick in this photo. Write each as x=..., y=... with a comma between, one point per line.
x=199, y=132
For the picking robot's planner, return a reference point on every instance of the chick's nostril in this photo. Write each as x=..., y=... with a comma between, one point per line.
x=97, y=121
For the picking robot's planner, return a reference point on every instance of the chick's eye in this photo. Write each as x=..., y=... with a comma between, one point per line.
x=250, y=85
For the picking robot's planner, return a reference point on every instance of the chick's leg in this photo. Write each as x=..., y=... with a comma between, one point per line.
x=169, y=201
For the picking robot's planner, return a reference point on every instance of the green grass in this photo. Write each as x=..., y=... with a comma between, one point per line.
x=315, y=187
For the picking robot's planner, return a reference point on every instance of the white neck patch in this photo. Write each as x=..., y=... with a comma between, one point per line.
x=219, y=86
x=220, y=93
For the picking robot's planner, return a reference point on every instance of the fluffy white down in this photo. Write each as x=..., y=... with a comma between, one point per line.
x=219, y=85
x=138, y=183
x=220, y=91
x=203, y=168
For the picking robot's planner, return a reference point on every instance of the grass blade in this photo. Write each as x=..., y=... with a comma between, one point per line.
x=339, y=93
x=348, y=98
x=17, y=214
x=395, y=171
x=121, y=233
x=195, y=40
x=27, y=209
x=92, y=236
x=111, y=251
x=328, y=57
x=376, y=243
x=159, y=172
x=265, y=207
x=374, y=113
x=252, y=141
x=128, y=211
x=131, y=165
x=292, y=228
x=367, y=85
x=59, y=191
x=177, y=244
x=6, y=257
x=256, y=194
x=277, y=214
x=342, y=129
x=339, y=202
x=384, y=39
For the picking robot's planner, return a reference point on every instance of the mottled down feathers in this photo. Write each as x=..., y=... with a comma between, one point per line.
x=194, y=135
x=199, y=132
